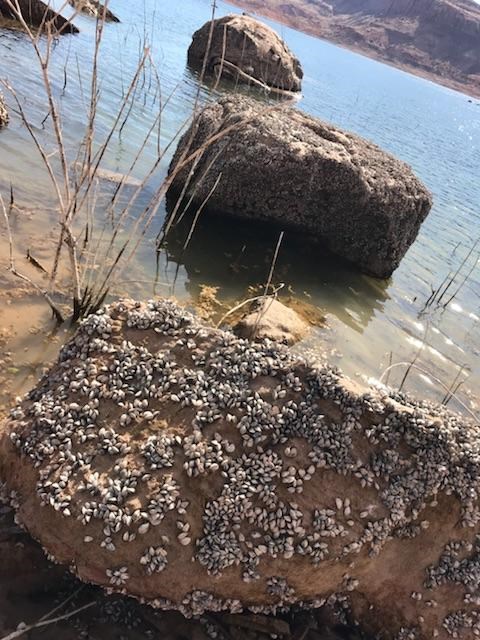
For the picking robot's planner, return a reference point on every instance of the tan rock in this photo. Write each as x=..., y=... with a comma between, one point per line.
x=271, y=319
x=246, y=49
x=292, y=486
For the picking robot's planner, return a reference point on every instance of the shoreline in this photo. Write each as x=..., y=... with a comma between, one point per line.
x=467, y=89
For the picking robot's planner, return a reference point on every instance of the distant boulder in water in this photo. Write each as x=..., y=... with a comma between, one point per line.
x=247, y=50
x=93, y=8
x=282, y=166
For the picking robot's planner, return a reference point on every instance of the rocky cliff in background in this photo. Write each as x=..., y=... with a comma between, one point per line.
x=438, y=39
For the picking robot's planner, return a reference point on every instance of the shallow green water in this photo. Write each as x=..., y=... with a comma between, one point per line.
x=433, y=128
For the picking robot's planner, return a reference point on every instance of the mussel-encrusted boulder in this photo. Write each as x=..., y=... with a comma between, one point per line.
x=245, y=48
x=282, y=166
x=4, y=117
x=196, y=470
x=38, y=14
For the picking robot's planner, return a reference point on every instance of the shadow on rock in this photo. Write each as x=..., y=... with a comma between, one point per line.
x=31, y=586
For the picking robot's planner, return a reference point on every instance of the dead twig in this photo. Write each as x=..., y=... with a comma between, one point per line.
x=44, y=623
x=248, y=301
x=410, y=365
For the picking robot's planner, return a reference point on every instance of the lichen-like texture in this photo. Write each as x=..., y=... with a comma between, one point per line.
x=277, y=165
x=195, y=470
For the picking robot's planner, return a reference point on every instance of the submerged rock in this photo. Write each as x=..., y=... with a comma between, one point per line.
x=246, y=49
x=94, y=8
x=4, y=117
x=282, y=166
x=271, y=319
x=38, y=14
x=198, y=471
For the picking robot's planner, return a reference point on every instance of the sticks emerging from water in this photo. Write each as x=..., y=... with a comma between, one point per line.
x=449, y=390
x=88, y=237
x=436, y=299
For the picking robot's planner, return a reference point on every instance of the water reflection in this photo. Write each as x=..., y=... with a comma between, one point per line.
x=235, y=255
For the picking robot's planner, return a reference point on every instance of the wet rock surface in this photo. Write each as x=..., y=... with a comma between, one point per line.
x=4, y=118
x=271, y=319
x=38, y=14
x=197, y=471
x=245, y=48
x=281, y=166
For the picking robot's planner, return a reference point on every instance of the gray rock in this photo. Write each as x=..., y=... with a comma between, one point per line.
x=282, y=166
x=250, y=50
x=4, y=117
x=38, y=14
x=271, y=319
x=166, y=460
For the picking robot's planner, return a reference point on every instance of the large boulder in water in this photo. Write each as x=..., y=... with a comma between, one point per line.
x=279, y=165
x=4, y=118
x=199, y=471
x=246, y=49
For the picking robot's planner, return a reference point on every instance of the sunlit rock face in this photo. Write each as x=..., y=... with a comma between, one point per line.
x=270, y=318
x=195, y=470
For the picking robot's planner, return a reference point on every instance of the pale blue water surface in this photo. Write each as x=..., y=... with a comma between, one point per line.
x=434, y=129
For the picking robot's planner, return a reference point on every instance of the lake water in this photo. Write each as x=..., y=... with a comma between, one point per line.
x=371, y=322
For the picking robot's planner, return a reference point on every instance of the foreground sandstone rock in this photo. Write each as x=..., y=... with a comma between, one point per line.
x=247, y=50
x=4, y=118
x=198, y=471
x=280, y=165
x=38, y=14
